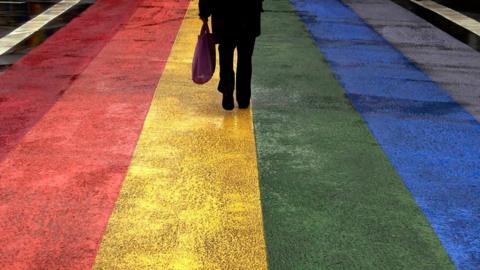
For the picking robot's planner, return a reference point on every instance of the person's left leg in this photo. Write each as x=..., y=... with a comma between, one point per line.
x=245, y=48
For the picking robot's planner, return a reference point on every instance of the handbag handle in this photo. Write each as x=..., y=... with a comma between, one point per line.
x=205, y=29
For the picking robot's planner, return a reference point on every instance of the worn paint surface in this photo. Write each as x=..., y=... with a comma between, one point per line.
x=53, y=67
x=447, y=61
x=59, y=184
x=432, y=141
x=191, y=196
x=330, y=196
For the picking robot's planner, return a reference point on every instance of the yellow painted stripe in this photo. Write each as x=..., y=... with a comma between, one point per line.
x=191, y=197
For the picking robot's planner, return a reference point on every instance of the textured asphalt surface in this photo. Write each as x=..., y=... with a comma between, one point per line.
x=431, y=140
x=71, y=113
x=331, y=198
x=451, y=64
x=360, y=151
x=447, y=61
x=191, y=197
x=38, y=80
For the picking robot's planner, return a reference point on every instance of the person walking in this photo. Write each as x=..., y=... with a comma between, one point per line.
x=235, y=25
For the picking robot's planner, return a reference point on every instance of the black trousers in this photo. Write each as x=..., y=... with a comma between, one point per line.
x=226, y=50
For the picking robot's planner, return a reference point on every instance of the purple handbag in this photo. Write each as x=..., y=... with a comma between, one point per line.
x=204, y=59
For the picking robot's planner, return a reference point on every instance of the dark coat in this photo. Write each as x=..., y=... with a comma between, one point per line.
x=232, y=18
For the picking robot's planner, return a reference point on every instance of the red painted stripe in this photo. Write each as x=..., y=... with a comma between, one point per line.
x=59, y=185
x=29, y=88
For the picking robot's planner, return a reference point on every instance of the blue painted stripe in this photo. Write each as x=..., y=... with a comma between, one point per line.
x=431, y=140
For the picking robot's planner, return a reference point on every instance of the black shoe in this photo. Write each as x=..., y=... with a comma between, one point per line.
x=243, y=105
x=227, y=102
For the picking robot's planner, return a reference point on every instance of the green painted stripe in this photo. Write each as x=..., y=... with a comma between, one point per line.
x=331, y=199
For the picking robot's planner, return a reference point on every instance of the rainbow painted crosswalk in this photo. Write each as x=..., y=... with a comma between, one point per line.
x=351, y=157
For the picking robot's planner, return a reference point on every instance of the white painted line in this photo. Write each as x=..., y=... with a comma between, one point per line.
x=452, y=15
x=29, y=28
x=14, y=3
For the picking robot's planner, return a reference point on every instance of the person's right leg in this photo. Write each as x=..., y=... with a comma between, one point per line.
x=245, y=48
x=226, y=85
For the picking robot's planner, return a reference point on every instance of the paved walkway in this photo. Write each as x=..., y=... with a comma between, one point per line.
x=357, y=153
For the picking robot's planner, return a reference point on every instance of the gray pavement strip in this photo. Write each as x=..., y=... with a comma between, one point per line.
x=452, y=64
